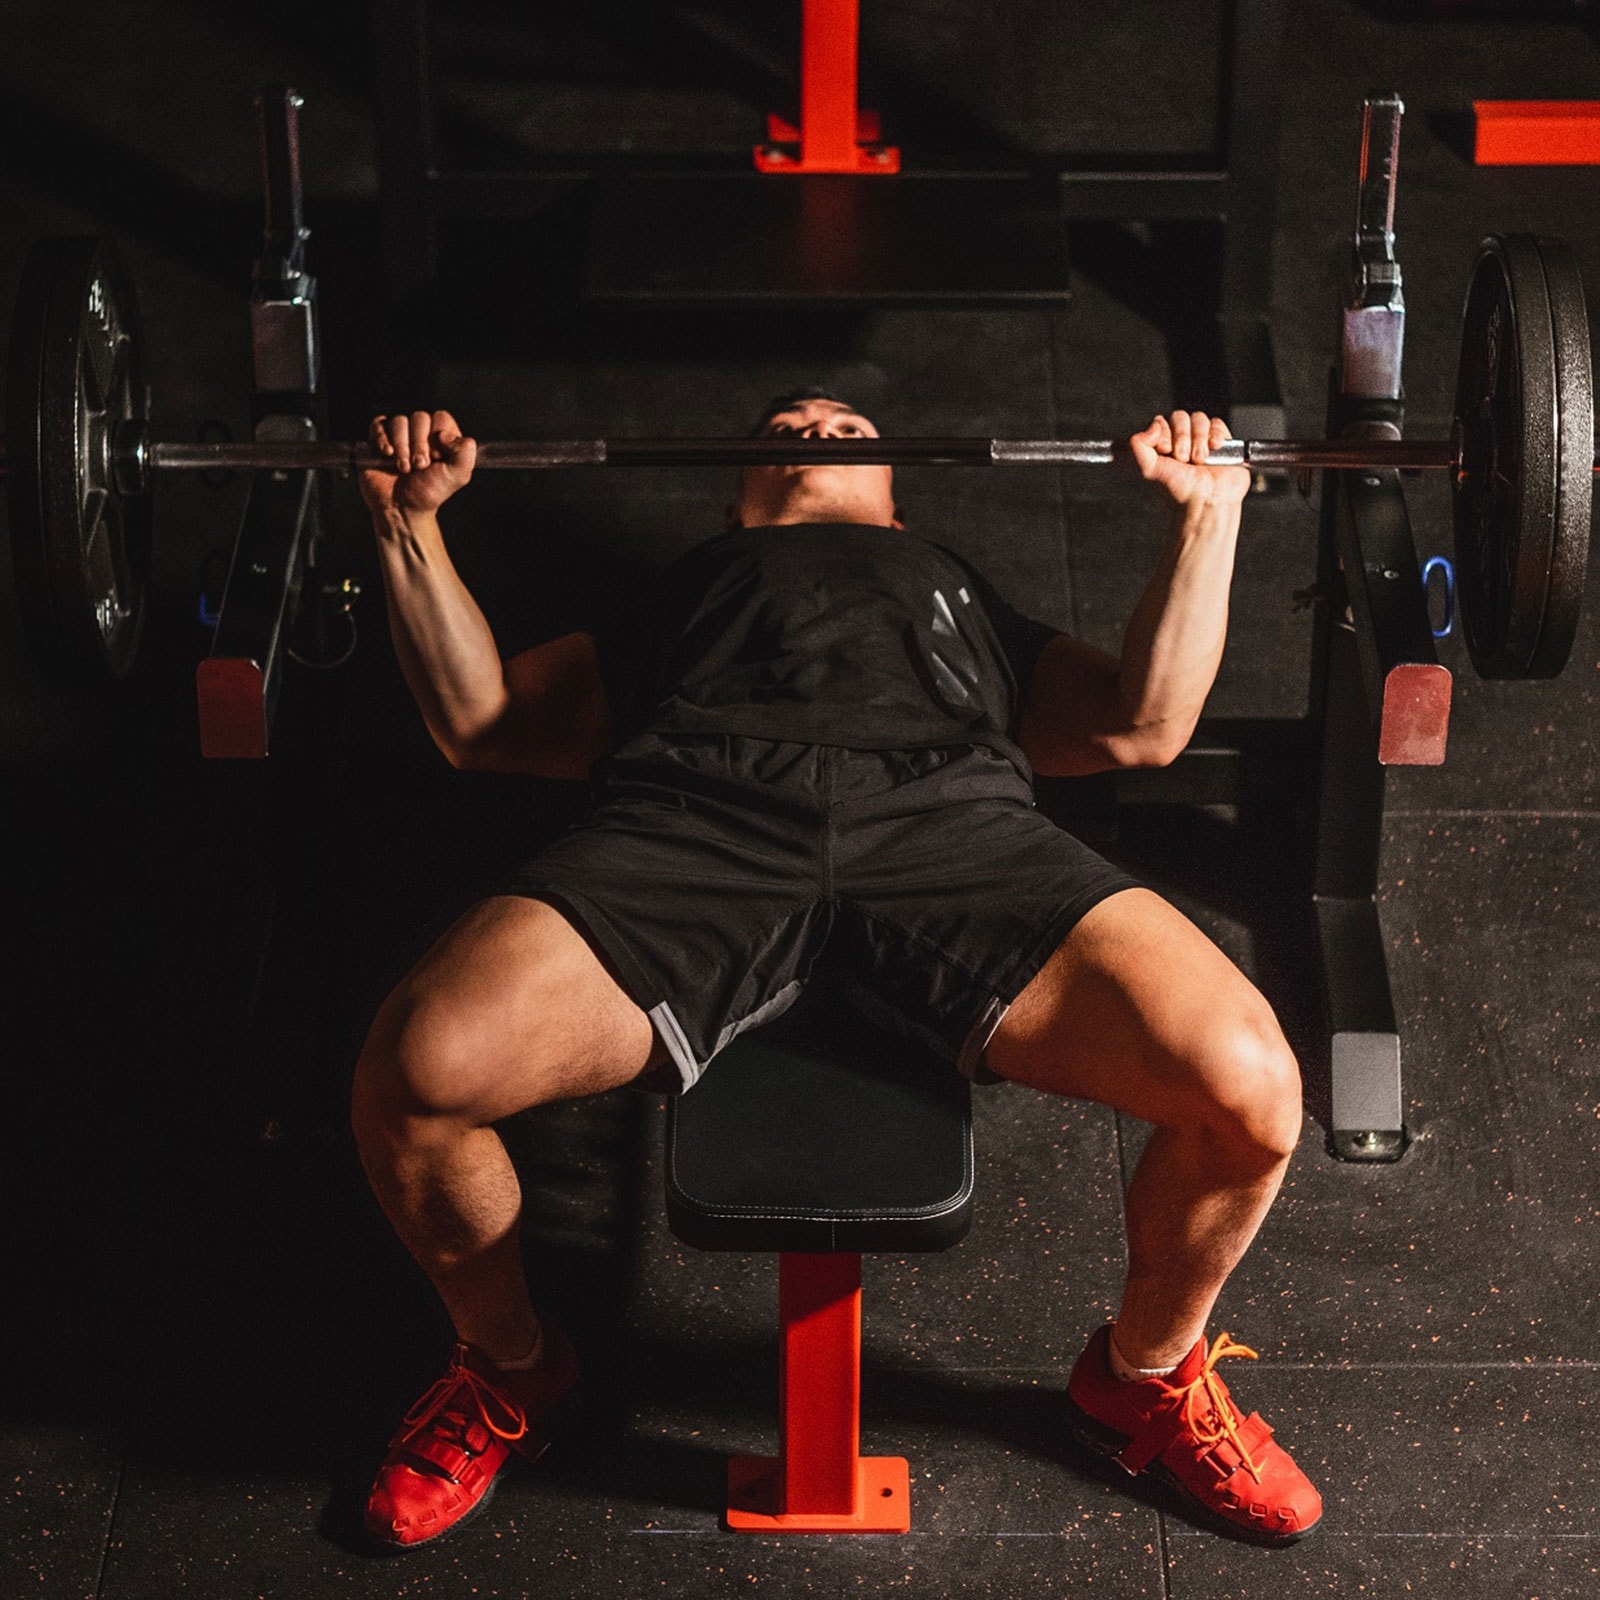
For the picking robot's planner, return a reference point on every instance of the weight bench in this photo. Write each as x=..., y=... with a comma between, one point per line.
x=820, y=1142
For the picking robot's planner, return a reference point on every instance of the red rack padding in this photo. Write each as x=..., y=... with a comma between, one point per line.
x=1537, y=133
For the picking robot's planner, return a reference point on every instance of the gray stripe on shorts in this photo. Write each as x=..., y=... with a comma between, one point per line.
x=677, y=1043
x=682, y=1052
x=970, y=1063
x=775, y=1007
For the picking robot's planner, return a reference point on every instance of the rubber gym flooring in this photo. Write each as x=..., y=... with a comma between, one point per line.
x=209, y=1331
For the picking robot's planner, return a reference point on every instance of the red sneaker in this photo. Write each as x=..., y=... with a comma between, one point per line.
x=445, y=1455
x=1187, y=1431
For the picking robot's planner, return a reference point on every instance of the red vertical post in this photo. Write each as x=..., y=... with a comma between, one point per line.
x=834, y=135
x=819, y=1482
x=819, y=1390
x=830, y=34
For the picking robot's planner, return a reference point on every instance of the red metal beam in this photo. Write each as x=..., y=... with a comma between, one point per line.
x=833, y=135
x=1536, y=133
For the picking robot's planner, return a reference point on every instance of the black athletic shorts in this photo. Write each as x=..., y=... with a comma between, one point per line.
x=716, y=867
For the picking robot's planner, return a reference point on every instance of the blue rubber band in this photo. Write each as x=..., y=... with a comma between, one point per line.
x=1428, y=567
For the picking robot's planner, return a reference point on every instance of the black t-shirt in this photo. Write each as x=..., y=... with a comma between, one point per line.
x=822, y=633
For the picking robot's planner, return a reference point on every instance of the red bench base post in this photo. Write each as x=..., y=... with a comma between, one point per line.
x=819, y=1482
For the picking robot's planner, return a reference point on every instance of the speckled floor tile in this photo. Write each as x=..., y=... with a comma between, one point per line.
x=990, y=1515
x=1446, y=1566
x=1432, y=1446
x=56, y=1512
x=1437, y=1479
x=1474, y=1246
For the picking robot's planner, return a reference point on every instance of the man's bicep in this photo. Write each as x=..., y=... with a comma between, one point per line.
x=557, y=722
x=1072, y=719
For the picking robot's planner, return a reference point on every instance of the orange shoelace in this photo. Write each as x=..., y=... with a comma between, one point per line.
x=485, y=1397
x=1208, y=1408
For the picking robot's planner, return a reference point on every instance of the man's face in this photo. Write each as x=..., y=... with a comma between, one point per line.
x=822, y=493
x=819, y=419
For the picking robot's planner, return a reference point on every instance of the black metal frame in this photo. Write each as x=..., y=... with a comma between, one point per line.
x=1378, y=693
x=1328, y=763
x=279, y=531
x=1237, y=187
x=1364, y=525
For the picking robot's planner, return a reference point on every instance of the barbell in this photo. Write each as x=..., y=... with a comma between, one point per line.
x=1520, y=455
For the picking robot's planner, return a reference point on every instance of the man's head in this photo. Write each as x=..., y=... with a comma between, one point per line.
x=771, y=496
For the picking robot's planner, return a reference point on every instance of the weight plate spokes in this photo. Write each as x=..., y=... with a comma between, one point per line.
x=81, y=549
x=1524, y=425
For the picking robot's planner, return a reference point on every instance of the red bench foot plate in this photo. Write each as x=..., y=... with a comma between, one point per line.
x=883, y=1499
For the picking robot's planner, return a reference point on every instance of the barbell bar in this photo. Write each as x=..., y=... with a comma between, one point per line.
x=134, y=457
x=1520, y=456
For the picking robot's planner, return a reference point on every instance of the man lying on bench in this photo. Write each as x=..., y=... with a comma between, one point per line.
x=822, y=732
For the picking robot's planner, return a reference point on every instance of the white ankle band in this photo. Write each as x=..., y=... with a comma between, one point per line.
x=1123, y=1368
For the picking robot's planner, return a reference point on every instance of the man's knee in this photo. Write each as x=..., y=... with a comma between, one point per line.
x=420, y=1063
x=1254, y=1081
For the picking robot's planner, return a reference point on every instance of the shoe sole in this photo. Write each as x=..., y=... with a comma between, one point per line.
x=1107, y=1444
x=551, y=1425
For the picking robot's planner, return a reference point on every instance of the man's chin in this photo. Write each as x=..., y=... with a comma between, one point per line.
x=825, y=494
x=826, y=511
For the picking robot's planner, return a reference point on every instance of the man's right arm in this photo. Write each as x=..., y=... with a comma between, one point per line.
x=543, y=713
x=1086, y=711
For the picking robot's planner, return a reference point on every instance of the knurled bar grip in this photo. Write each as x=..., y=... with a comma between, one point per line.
x=535, y=454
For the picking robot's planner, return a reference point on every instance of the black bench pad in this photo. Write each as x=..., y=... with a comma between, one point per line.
x=835, y=1137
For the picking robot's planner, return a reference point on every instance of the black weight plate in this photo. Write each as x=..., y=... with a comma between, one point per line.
x=1506, y=491
x=80, y=549
x=1569, y=555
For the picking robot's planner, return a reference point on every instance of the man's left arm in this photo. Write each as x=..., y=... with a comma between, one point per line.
x=1086, y=711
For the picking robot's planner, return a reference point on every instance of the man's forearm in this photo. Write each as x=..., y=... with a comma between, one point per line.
x=1173, y=645
x=441, y=638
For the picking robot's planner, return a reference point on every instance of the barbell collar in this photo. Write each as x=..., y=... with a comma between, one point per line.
x=137, y=458
x=130, y=458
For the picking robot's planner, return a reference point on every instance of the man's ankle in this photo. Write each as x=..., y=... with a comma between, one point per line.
x=510, y=1355
x=1130, y=1371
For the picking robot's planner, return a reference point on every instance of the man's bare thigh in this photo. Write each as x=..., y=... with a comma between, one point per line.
x=1135, y=1009
x=523, y=1009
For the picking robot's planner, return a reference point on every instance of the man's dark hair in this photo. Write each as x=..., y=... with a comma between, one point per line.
x=795, y=397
